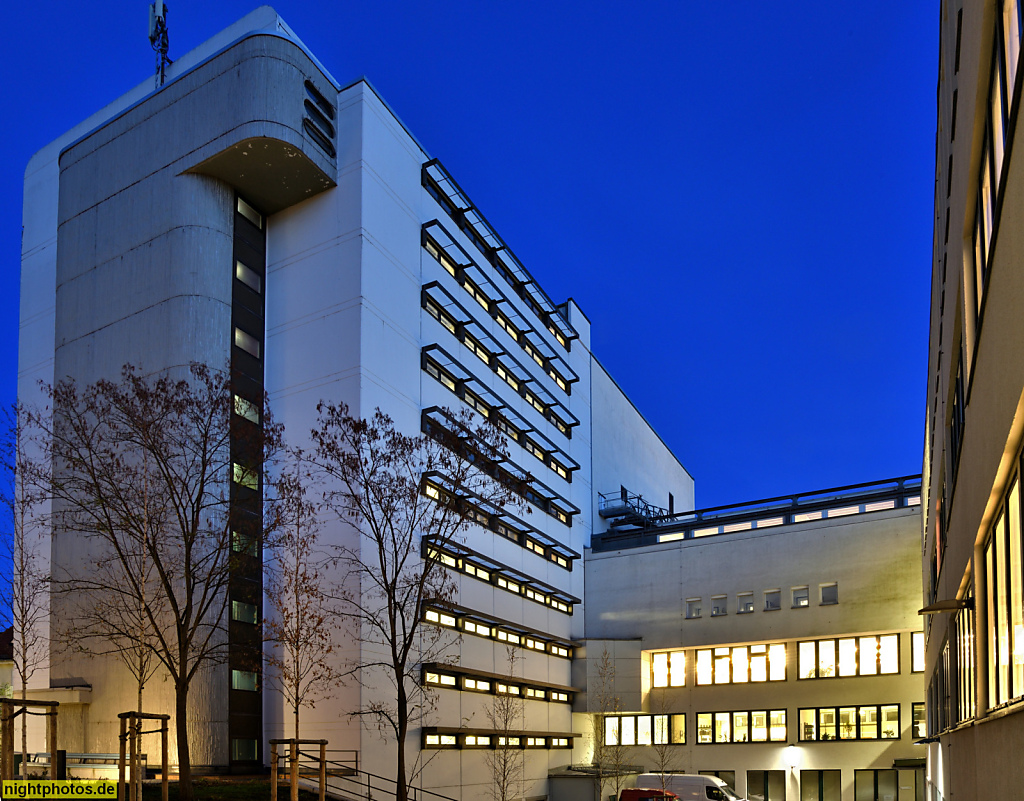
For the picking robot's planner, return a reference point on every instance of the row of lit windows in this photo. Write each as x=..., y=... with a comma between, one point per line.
x=495, y=577
x=491, y=307
x=1004, y=581
x=439, y=195
x=487, y=684
x=855, y=656
x=493, y=741
x=1005, y=55
x=758, y=726
x=741, y=664
x=645, y=729
x=870, y=655
x=829, y=594
x=519, y=480
x=521, y=538
x=532, y=642
x=475, y=402
x=951, y=691
x=875, y=722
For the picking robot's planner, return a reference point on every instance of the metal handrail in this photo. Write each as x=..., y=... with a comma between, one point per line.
x=362, y=780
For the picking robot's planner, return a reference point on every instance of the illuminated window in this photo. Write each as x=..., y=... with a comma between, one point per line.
x=243, y=680
x=248, y=276
x=244, y=543
x=247, y=477
x=249, y=213
x=669, y=669
x=800, y=597
x=247, y=342
x=920, y=721
x=857, y=656
x=872, y=722
x=741, y=664
x=718, y=606
x=758, y=726
x=692, y=608
x=244, y=612
x=744, y=603
x=247, y=409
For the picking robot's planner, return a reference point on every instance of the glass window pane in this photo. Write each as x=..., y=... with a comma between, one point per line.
x=777, y=721
x=739, y=665
x=868, y=656
x=1002, y=607
x=643, y=730
x=721, y=666
x=677, y=668
x=917, y=652
x=869, y=722
x=758, y=667
x=827, y=724
x=808, y=660
x=704, y=669
x=826, y=658
x=722, y=728
x=611, y=731
x=661, y=730
x=808, y=724
x=990, y=577
x=703, y=727
x=891, y=722
x=848, y=723
x=678, y=729
x=740, y=727
x=1016, y=592
x=777, y=662
x=627, y=730
x=759, y=727
x=659, y=665
x=889, y=653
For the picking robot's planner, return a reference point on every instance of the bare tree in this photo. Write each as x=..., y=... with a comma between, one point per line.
x=146, y=468
x=604, y=703
x=301, y=629
x=666, y=755
x=28, y=586
x=505, y=717
x=398, y=492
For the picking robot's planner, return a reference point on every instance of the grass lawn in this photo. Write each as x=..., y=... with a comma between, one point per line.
x=227, y=789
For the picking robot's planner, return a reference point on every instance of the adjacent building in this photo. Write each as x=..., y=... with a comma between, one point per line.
x=972, y=570
x=254, y=212
x=775, y=644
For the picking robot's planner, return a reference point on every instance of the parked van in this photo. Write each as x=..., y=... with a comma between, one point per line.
x=689, y=786
x=644, y=794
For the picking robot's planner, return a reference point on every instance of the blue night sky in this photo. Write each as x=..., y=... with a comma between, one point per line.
x=738, y=195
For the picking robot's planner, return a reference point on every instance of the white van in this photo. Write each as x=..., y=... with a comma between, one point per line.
x=689, y=786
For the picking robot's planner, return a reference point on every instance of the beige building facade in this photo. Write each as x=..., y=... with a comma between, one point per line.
x=775, y=644
x=972, y=566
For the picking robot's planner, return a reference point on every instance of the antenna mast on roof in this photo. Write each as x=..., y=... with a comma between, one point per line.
x=158, y=38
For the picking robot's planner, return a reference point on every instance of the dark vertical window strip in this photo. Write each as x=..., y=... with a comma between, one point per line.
x=245, y=709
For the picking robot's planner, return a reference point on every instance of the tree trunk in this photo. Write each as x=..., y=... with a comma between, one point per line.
x=401, y=786
x=24, y=734
x=181, y=729
x=296, y=721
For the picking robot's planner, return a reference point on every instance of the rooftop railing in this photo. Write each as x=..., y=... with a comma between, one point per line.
x=635, y=522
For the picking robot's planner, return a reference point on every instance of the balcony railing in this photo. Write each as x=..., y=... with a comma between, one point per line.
x=635, y=523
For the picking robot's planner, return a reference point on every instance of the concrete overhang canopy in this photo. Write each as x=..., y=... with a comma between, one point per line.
x=269, y=173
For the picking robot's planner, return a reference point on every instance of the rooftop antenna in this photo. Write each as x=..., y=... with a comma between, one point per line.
x=158, y=38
